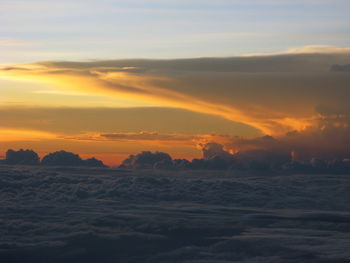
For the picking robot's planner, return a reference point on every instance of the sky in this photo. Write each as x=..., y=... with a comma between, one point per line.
x=111, y=78
x=36, y=30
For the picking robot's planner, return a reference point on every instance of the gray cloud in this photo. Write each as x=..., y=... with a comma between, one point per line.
x=303, y=62
x=340, y=68
x=89, y=215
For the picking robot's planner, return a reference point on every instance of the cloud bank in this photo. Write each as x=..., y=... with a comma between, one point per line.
x=271, y=93
x=296, y=97
x=90, y=215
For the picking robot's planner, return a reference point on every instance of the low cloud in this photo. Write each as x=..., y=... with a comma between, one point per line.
x=89, y=215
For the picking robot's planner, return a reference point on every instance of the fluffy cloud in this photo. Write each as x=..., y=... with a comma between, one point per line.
x=328, y=140
x=88, y=215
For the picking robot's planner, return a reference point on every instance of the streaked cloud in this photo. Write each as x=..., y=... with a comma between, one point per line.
x=274, y=94
x=113, y=120
x=312, y=49
x=11, y=135
x=294, y=97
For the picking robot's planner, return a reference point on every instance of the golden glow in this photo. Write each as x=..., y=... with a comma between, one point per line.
x=109, y=150
x=270, y=102
x=9, y=135
x=145, y=88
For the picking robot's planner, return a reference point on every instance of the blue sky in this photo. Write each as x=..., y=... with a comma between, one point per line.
x=32, y=30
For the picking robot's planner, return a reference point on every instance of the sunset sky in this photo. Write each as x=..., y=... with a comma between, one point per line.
x=111, y=78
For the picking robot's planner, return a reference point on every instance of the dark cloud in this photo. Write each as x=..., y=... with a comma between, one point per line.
x=212, y=150
x=340, y=68
x=333, y=110
x=93, y=162
x=92, y=215
x=148, y=160
x=63, y=158
x=257, y=63
x=22, y=157
x=328, y=138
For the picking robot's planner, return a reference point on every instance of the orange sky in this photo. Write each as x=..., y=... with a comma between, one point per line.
x=110, y=109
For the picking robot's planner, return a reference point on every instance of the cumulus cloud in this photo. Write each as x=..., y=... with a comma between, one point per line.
x=63, y=158
x=212, y=150
x=147, y=160
x=329, y=139
x=22, y=157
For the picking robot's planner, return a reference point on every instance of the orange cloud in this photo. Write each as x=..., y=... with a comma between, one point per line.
x=274, y=94
x=10, y=135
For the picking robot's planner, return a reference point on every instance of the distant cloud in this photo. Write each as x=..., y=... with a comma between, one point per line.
x=340, y=68
x=243, y=89
x=147, y=136
x=312, y=49
x=329, y=139
x=292, y=93
x=319, y=49
x=8, y=135
x=116, y=121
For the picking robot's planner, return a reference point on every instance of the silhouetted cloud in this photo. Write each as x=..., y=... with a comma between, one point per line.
x=63, y=158
x=93, y=162
x=147, y=160
x=22, y=157
x=212, y=150
x=291, y=97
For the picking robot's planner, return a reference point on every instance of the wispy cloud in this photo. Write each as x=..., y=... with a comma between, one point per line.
x=312, y=49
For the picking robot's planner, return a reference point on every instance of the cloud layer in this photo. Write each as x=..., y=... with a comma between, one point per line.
x=274, y=94
x=88, y=215
x=296, y=97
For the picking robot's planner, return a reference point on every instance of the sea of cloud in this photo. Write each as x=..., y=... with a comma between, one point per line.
x=59, y=214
